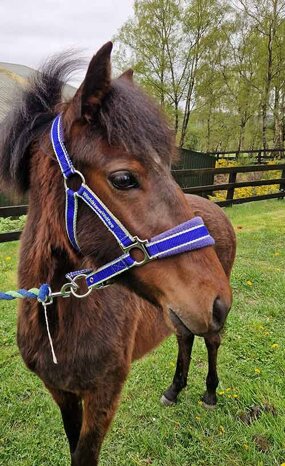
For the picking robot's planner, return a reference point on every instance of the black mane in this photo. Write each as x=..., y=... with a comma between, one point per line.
x=128, y=118
x=33, y=110
x=131, y=119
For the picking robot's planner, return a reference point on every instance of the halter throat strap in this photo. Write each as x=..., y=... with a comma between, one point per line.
x=187, y=236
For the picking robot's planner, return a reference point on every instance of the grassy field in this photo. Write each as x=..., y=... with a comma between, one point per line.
x=248, y=425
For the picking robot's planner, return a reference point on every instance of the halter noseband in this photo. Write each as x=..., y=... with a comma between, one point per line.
x=186, y=236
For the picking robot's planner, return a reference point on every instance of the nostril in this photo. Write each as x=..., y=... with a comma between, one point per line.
x=220, y=311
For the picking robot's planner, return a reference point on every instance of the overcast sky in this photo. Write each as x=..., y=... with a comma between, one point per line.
x=31, y=30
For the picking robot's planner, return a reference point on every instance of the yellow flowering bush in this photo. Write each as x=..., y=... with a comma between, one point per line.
x=248, y=191
x=12, y=224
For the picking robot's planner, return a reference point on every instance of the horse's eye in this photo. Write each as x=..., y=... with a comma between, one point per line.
x=123, y=180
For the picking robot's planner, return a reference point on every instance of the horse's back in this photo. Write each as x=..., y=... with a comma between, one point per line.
x=219, y=227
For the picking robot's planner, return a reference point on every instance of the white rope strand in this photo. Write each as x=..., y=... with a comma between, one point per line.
x=49, y=335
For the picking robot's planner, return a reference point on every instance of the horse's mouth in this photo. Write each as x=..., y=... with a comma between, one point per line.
x=178, y=323
x=182, y=328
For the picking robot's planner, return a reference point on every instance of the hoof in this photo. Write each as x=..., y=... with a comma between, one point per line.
x=166, y=402
x=211, y=407
x=209, y=400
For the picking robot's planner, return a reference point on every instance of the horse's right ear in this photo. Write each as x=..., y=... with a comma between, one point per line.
x=96, y=84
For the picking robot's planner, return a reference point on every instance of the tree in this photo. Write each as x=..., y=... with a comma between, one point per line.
x=151, y=41
x=217, y=68
x=202, y=20
x=266, y=17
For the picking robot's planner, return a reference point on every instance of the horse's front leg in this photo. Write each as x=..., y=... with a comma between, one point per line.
x=212, y=381
x=71, y=411
x=185, y=344
x=98, y=411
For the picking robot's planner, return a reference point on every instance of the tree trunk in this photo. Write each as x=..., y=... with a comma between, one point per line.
x=241, y=134
x=186, y=113
x=264, y=107
x=176, y=122
x=209, y=130
x=282, y=128
x=271, y=37
x=277, y=120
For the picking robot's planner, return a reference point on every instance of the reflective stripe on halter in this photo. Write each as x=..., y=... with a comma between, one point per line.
x=186, y=236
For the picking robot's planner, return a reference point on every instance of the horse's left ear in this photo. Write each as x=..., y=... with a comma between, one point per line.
x=97, y=82
x=128, y=75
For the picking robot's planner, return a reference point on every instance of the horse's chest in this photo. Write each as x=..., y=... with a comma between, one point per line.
x=83, y=357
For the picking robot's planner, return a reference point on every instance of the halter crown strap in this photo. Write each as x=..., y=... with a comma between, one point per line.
x=187, y=236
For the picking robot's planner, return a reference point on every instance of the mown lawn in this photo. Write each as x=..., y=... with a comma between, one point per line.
x=248, y=425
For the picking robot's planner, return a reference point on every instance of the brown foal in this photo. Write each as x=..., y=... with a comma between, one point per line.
x=111, y=130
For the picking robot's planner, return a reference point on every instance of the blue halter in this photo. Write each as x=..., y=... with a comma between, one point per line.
x=187, y=236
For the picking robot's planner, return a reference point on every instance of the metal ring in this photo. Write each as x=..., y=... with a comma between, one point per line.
x=144, y=260
x=73, y=291
x=75, y=172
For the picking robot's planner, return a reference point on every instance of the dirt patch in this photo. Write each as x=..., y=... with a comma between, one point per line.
x=254, y=412
x=262, y=443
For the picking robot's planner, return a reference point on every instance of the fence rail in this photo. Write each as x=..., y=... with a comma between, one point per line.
x=226, y=170
x=14, y=211
x=261, y=154
x=10, y=236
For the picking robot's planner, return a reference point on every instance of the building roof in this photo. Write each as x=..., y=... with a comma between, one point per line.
x=11, y=77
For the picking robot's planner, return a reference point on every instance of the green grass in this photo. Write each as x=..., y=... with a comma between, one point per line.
x=251, y=369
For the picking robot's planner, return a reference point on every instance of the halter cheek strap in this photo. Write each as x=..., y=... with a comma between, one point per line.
x=187, y=236
x=122, y=236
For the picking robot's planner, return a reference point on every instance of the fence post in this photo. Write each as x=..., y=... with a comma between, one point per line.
x=231, y=191
x=282, y=184
x=259, y=157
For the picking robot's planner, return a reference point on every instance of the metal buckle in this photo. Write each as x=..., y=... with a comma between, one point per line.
x=139, y=244
x=65, y=292
x=75, y=172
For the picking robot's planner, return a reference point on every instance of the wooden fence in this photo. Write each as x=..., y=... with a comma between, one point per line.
x=233, y=184
x=260, y=155
x=13, y=211
x=16, y=211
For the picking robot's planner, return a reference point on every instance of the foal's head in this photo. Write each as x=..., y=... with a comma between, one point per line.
x=117, y=137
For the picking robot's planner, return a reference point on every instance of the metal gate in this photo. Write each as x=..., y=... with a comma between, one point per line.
x=191, y=159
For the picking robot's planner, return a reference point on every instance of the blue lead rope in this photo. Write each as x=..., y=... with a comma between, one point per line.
x=41, y=294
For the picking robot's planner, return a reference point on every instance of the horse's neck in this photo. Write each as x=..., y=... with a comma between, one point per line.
x=133, y=320
x=45, y=256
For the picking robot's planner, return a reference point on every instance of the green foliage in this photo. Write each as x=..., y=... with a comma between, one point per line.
x=251, y=370
x=11, y=224
x=216, y=67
